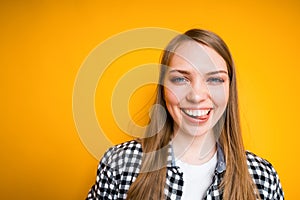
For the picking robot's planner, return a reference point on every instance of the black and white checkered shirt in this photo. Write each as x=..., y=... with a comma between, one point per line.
x=120, y=166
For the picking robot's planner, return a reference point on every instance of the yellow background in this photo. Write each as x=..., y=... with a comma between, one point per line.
x=43, y=45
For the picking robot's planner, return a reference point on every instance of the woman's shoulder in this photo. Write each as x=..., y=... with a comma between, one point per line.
x=264, y=176
x=120, y=155
x=128, y=147
x=258, y=163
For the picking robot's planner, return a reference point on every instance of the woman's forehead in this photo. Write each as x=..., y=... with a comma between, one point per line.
x=201, y=57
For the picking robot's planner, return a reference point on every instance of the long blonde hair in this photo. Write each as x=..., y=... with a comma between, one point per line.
x=237, y=182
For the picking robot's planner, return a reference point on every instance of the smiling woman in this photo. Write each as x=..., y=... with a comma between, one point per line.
x=197, y=90
x=198, y=153
x=196, y=99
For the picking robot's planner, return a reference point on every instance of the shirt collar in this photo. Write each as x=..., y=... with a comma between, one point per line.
x=221, y=164
x=171, y=156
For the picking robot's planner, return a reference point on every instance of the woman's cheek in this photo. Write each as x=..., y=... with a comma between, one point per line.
x=173, y=95
x=170, y=97
x=219, y=95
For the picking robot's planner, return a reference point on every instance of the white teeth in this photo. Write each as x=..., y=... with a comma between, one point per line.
x=197, y=113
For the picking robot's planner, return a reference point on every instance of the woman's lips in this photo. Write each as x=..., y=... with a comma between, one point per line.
x=198, y=114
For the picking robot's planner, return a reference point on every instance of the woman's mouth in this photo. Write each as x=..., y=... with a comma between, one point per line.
x=200, y=114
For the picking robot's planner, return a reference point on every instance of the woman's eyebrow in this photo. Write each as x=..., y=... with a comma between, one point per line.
x=208, y=74
x=217, y=72
x=179, y=71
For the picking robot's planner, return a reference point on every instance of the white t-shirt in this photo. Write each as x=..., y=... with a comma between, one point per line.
x=197, y=178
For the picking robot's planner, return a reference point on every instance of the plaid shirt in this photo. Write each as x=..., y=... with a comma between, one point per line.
x=120, y=166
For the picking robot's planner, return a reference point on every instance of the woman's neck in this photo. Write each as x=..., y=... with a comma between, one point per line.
x=194, y=150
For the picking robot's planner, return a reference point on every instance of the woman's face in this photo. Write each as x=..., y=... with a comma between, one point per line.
x=196, y=88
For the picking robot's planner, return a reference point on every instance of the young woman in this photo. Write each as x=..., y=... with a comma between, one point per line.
x=193, y=146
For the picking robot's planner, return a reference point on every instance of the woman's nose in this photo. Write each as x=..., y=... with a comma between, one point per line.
x=197, y=92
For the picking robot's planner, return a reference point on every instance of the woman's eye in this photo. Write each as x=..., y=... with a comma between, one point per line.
x=179, y=80
x=215, y=80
